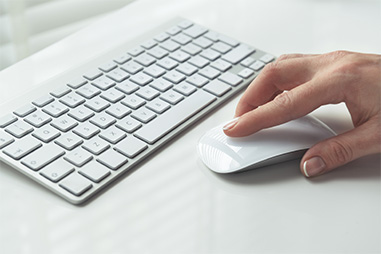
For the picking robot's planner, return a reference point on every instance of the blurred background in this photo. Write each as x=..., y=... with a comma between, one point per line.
x=27, y=26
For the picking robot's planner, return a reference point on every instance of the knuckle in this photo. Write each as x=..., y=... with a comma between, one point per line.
x=283, y=100
x=340, y=152
x=272, y=69
x=283, y=57
x=338, y=54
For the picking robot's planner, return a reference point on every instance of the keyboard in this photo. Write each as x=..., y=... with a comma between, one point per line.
x=82, y=129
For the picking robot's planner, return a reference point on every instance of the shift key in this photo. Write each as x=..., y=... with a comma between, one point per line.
x=43, y=156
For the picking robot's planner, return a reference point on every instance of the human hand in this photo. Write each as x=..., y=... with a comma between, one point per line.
x=312, y=81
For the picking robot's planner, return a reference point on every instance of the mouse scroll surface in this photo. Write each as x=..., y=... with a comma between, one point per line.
x=224, y=154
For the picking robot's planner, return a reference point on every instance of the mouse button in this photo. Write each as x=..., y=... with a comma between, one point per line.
x=216, y=154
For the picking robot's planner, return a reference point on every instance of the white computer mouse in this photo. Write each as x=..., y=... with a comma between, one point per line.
x=223, y=154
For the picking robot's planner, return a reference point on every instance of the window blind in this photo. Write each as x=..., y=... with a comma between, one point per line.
x=27, y=26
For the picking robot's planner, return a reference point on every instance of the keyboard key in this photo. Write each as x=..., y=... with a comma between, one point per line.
x=5, y=139
x=110, y=65
x=55, y=109
x=230, y=78
x=46, y=133
x=167, y=63
x=19, y=129
x=210, y=54
x=191, y=49
x=88, y=91
x=157, y=52
x=154, y=71
x=118, y=110
x=221, y=65
x=221, y=47
x=143, y=115
x=174, y=117
x=64, y=123
x=145, y=59
x=95, y=171
x=199, y=61
x=112, y=95
x=121, y=59
x=161, y=84
x=141, y=79
x=61, y=91
x=131, y=146
x=185, y=88
x=173, y=30
x=170, y=45
x=267, y=58
x=157, y=105
x=147, y=93
x=132, y=67
x=57, y=170
x=203, y=42
x=97, y=104
x=69, y=141
x=112, y=159
x=133, y=101
x=72, y=100
x=179, y=56
x=7, y=120
x=112, y=135
x=42, y=101
x=245, y=73
x=197, y=80
x=75, y=184
x=217, y=88
x=161, y=37
x=96, y=145
x=22, y=147
x=103, y=83
x=78, y=157
x=136, y=51
x=149, y=44
x=118, y=75
x=77, y=83
x=257, y=65
x=102, y=120
x=92, y=74
x=185, y=24
x=128, y=124
x=195, y=31
x=127, y=87
x=209, y=72
x=247, y=61
x=214, y=36
x=38, y=119
x=86, y=130
x=187, y=69
x=182, y=38
x=237, y=54
x=81, y=113
x=172, y=97
x=25, y=110
x=43, y=156
x=174, y=76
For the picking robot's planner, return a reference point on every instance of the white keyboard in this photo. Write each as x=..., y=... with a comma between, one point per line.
x=98, y=120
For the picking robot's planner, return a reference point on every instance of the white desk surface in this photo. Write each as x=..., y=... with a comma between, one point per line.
x=173, y=203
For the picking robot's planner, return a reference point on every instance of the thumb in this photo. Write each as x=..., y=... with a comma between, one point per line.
x=337, y=151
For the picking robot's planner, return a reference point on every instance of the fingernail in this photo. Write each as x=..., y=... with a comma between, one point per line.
x=230, y=124
x=313, y=166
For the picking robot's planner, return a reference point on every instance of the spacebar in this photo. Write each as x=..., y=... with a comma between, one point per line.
x=175, y=116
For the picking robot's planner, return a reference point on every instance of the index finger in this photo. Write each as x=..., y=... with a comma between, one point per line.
x=286, y=73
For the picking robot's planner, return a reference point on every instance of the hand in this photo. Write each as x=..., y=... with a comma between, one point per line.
x=297, y=84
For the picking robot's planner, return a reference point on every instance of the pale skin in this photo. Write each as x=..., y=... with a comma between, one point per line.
x=311, y=81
